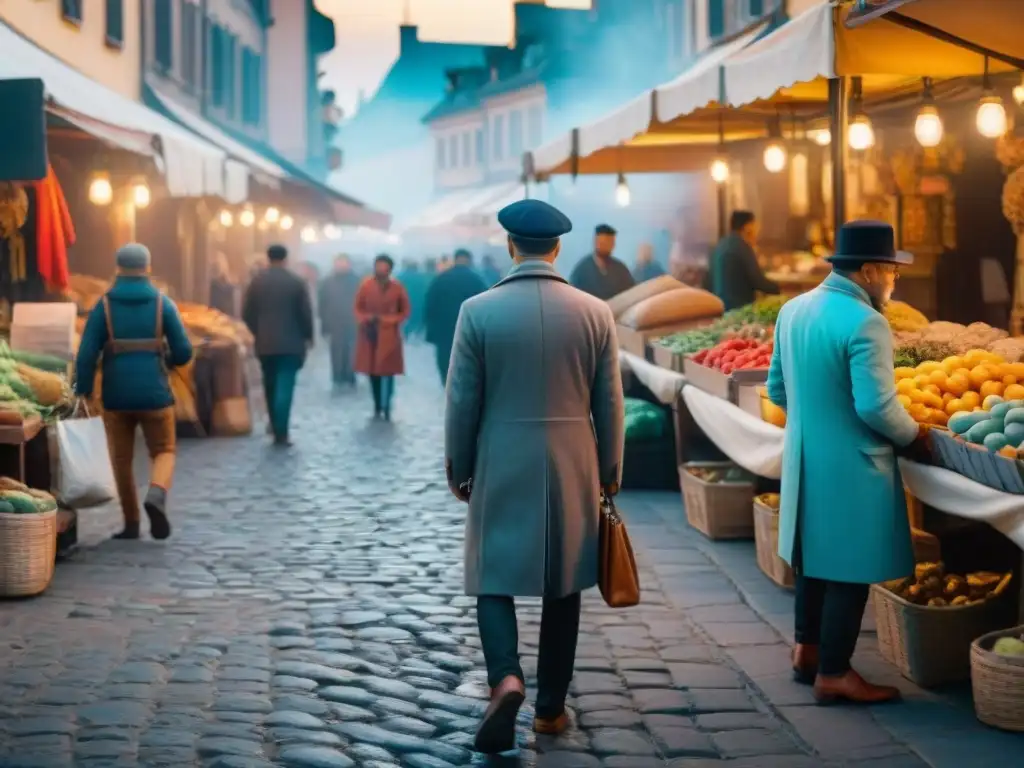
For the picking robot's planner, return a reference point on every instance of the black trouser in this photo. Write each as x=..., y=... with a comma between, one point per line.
x=559, y=629
x=382, y=388
x=343, y=346
x=444, y=354
x=829, y=614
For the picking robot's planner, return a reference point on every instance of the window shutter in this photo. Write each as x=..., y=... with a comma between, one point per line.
x=716, y=18
x=163, y=32
x=115, y=23
x=756, y=9
x=71, y=10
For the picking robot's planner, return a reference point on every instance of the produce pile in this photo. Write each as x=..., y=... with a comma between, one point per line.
x=719, y=474
x=736, y=355
x=1009, y=646
x=18, y=499
x=998, y=425
x=958, y=339
x=932, y=586
x=203, y=322
x=770, y=500
x=26, y=389
x=753, y=320
x=933, y=392
x=904, y=318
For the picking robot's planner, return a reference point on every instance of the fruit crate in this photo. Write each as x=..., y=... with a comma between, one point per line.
x=766, y=536
x=976, y=462
x=710, y=380
x=719, y=510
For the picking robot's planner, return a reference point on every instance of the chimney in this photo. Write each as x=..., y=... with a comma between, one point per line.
x=409, y=37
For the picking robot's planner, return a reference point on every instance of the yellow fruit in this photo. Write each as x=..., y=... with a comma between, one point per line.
x=932, y=400
x=950, y=364
x=938, y=378
x=928, y=366
x=1014, y=392
x=965, y=372
x=933, y=389
x=904, y=400
x=921, y=380
x=957, y=384
x=905, y=373
x=905, y=386
x=1009, y=380
x=947, y=398
x=938, y=417
x=975, y=357
x=991, y=388
x=971, y=400
x=1015, y=369
x=919, y=412
x=955, y=406
x=979, y=375
x=993, y=359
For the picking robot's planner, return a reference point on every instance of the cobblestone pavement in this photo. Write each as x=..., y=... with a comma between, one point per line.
x=309, y=612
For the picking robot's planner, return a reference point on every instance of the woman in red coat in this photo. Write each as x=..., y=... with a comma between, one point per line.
x=382, y=305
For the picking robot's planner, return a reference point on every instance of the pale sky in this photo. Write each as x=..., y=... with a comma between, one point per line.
x=367, y=34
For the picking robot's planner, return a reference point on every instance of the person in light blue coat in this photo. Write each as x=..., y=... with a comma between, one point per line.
x=843, y=523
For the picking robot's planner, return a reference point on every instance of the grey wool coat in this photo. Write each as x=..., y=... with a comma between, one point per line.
x=535, y=418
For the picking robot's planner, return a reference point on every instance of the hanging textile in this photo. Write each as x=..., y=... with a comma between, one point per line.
x=13, y=213
x=55, y=232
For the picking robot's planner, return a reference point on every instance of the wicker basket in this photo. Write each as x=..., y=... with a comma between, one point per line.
x=718, y=510
x=28, y=551
x=766, y=534
x=932, y=646
x=998, y=683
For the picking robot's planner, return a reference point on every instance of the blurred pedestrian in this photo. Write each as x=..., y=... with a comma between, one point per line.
x=139, y=334
x=533, y=434
x=381, y=307
x=415, y=283
x=647, y=267
x=736, y=276
x=444, y=300
x=223, y=290
x=279, y=313
x=489, y=270
x=600, y=274
x=336, y=303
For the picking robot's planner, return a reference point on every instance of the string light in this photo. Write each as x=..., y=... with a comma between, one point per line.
x=247, y=218
x=141, y=195
x=991, y=116
x=308, y=234
x=272, y=215
x=226, y=218
x=100, y=190
x=331, y=232
x=861, y=134
x=287, y=222
x=1018, y=91
x=822, y=137
x=774, y=157
x=623, y=196
x=720, y=170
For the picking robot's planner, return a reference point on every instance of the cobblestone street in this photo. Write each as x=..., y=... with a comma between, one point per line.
x=309, y=612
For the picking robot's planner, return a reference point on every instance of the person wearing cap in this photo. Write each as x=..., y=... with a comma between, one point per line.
x=843, y=521
x=533, y=436
x=444, y=300
x=336, y=298
x=736, y=276
x=381, y=306
x=137, y=333
x=600, y=274
x=278, y=310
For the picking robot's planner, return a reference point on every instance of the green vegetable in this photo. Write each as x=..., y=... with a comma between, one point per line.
x=912, y=355
x=6, y=508
x=644, y=420
x=959, y=423
x=1009, y=646
x=995, y=441
x=980, y=431
x=1014, y=416
x=36, y=360
x=999, y=410
x=991, y=402
x=1014, y=433
x=23, y=503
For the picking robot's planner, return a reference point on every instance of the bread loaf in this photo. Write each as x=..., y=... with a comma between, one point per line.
x=671, y=308
x=644, y=290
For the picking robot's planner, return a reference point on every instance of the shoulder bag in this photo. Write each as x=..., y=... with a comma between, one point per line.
x=617, y=577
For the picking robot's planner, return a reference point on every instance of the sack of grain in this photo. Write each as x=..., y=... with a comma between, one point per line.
x=671, y=308
x=644, y=290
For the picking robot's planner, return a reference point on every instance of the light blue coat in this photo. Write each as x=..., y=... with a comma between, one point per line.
x=832, y=371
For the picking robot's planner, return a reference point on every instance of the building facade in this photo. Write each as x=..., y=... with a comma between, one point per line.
x=100, y=38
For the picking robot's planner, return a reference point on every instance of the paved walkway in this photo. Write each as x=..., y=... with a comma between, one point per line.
x=309, y=613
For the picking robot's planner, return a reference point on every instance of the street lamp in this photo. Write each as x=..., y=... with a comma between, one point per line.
x=226, y=218
x=141, y=195
x=623, y=197
x=100, y=190
x=287, y=222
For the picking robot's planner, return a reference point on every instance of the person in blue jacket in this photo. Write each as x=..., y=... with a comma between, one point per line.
x=843, y=522
x=137, y=333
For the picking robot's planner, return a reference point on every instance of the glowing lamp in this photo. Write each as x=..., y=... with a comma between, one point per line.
x=272, y=215
x=862, y=134
x=287, y=222
x=141, y=195
x=823, y=137
x=308, y=235
x=720, y=170
x=247, y=218
x=100, y=191
x=226, y=218
x=928, y=127
x=623, y=197
x=991, y=117
x=774, y=157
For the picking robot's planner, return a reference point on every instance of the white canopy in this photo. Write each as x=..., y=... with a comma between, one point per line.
x=192, y=167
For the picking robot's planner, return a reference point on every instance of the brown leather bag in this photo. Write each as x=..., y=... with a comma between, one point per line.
x=617, y=577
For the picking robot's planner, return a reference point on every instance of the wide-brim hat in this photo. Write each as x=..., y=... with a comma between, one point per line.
x=868, y=241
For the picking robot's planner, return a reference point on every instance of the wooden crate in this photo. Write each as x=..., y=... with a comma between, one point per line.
x=709, y=380
x=718, y=510
x=766, y=536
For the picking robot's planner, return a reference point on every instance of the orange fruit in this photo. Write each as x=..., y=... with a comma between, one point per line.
x=991, y=388
x=933, y=389
x=938, y=417
x=948, y=397
x=938, y=378
x=957, y=384
x=904, y=400
x=975, y=357
x=979, y=375
x=919, y=412
x=921, y=380
x=1009, y=379
x=971, y=400
x=905, y=386
x=950, y=364
x=928, y=366
x=904, y=372
x=955, y=406
x=1014, y=392
x=1015, y=369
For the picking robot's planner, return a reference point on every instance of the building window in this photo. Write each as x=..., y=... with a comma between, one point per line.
x=756, y=9
x=189, y=49
x=230, y=74
x=467, y=149
x=716, y=18
x=498, y=138
x=252, y=87
x=440, y=144
x=536, y=127
x=115, y=23
x=163, y=35
x=453, y=151
x=515, y=133
x=71, y=10
x=481, y=149
x=218, y=91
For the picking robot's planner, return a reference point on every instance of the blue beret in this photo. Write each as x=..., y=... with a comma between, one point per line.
x=534, y=222
x=132, y=256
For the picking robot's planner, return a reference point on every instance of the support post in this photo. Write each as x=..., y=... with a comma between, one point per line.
x=723, y=203
x=838, y=123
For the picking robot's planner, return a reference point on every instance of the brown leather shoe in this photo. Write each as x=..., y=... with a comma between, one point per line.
x=497, y=731
x=805, y=663
x=551, y=726
x=853, y=689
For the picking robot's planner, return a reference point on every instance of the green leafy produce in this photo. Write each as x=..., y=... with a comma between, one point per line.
x=644, y=420
x=42, y=362
x=912, y=355
x=763, y=312
x=6, y=508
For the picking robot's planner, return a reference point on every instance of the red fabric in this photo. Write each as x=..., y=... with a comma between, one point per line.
x=55, y=232
x=390, y=306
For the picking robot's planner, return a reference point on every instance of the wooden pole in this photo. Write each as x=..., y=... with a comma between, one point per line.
x=838, y=118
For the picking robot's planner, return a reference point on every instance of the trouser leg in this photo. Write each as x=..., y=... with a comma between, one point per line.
x=499, y=637
x=559, y=632
x=158, y=430
x=120, y=428
x=375, y=391
x=809, y=607
x=444, y=354
x=284, y=391
x=841, y=618
x=387, y=391
x=268, y=365
x=337, y=361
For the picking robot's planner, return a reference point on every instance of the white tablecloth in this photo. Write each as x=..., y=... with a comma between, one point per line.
x=750, y=442
x=666, y=385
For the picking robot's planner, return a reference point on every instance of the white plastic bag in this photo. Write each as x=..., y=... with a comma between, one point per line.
x=85, y=477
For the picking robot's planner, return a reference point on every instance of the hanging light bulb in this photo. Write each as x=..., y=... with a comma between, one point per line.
x=308, y=234
x=720, y=170
x=100, y=191
x=862, y=133
x=991, y=117
x=822, y=137
x=272, y=216
x=928, y=126
x=1018, y=91
x=226, y=218
x=331, y=232
x=623, y=197
x=287, y=222
x=247, y=218
x=774, y=157
x=141, y=195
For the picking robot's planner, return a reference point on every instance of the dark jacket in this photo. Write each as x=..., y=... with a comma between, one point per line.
x=137, y=380
x=588, y=277
x=444, y=300
x=736, y=277
x=490, y=274
x=644, y=272
x=222, y=296
x=279, y=313
x=336, y=299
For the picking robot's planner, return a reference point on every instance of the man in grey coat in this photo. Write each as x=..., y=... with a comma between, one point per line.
x=533, y=435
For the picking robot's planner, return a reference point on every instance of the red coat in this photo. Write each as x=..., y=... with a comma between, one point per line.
x=390, y=305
